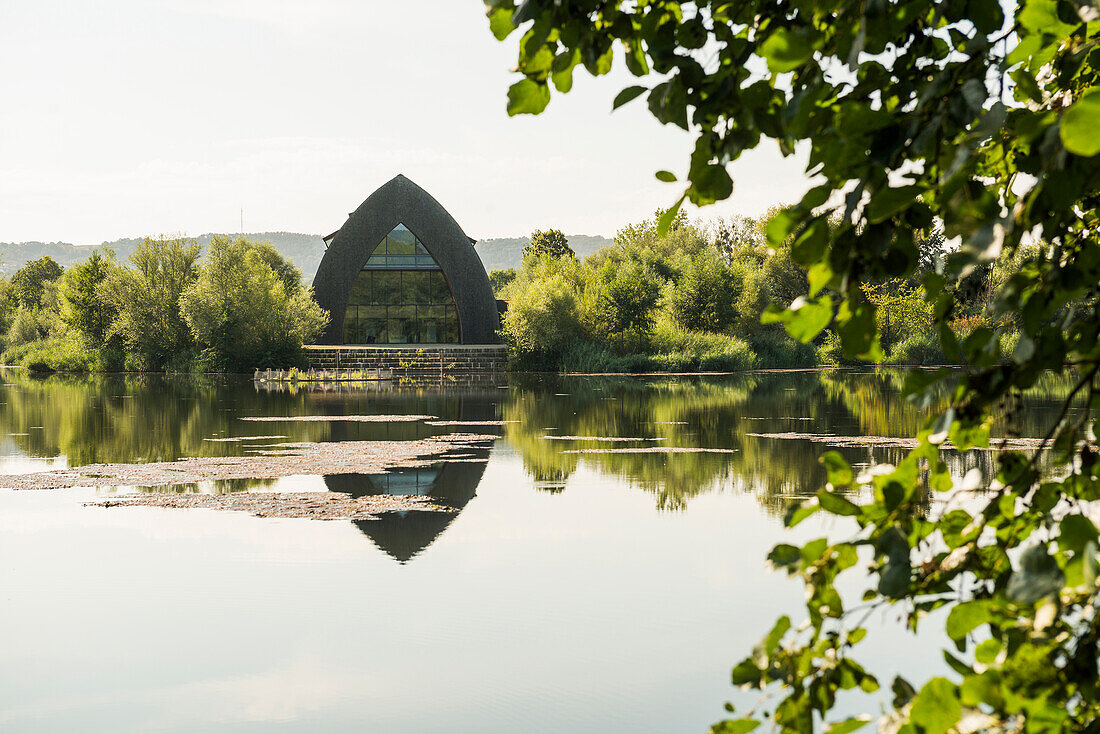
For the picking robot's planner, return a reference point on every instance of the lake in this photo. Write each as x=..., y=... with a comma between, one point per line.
x=575, y=588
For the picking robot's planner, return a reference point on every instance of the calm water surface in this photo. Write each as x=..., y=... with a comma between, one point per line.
x=588, y=592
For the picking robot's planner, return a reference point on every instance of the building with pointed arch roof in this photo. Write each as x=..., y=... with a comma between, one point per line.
x=402, y=271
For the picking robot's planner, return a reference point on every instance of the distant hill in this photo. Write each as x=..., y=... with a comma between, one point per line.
x=507, y=252
x=304, y=250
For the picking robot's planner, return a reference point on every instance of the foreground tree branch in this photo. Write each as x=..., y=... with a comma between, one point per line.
x=914, y=114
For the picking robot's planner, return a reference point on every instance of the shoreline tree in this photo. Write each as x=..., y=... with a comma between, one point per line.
x=551, y=243
x=962, y=114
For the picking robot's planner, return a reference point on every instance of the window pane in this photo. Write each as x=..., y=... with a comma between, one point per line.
x=452, y=326
x=401, y=249
x=402, y=324
x=402, y=241
x=373, y=331
x=351, y=324
x=405, y=295
x=386, y=286
x=360, y=289
x=437, y=288
x=423, y=287
x=433, y=324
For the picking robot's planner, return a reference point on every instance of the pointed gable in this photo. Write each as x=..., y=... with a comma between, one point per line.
x=400, y=227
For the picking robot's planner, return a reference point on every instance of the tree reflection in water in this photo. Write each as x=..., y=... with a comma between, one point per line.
x=132, y=418
x=721, y=412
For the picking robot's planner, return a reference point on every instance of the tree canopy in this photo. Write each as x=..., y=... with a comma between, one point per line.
x=913, y=115
x=84, y=305
x=28, y=283
x=551, y=242
x=146, y=298
x=248, y=306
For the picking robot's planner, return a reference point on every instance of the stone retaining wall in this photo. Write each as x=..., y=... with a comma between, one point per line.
x=411, y=361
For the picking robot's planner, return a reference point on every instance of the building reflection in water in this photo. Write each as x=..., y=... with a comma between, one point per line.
x=404, y=535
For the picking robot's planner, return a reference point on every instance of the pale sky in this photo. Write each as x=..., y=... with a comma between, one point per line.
x=125, y=118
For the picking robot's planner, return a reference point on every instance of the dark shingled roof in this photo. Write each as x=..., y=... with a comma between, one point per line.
x=400, y=201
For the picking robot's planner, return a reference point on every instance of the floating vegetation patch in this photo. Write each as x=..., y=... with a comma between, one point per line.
x=241, y=438
x=278, y=460
x=995, y=444
x=309, y=505
x=777, y=418
x=467, y=423
x=335, y=418
x=602, y=438
x=654, y=450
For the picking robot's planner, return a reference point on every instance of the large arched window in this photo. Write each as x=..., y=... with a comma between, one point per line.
x=400, y=296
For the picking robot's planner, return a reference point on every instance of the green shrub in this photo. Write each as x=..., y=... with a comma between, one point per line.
x=247, y=309
x=543, y=318
x=829, y=350
x=620, y=303
x=55, y=354
x=29, y=324
x=1008, y=343
x=917, y=348
x=146, y=299
x=583, y=355
x=775, y=349
x=705, y=295
x=683, y=350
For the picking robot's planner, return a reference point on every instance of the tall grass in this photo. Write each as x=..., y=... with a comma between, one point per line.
x=54, y=354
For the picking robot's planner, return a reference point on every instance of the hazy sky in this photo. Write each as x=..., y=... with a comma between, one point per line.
x=125, y=118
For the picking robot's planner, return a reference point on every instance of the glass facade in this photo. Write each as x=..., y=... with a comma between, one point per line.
x=400, y=297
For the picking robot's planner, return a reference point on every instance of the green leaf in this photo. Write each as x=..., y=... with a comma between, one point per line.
x=734, y=726
x=804, y=318
x=780, y=227
x=561, y=71
x=987, y=651
x=500, y=22
x=966, y=616
x=894, y=579
x=838, y=470
x=855, y=323
x=664, y=223
x=1037, y=576
x=836, y=504
x=903, y=692
x=771, y=642
x=635, y=58
x=627, y=95
x=799, y=511
x=786, y=50
x=893, y=582
x=784, y=555
x=887, y=202
x=710, y=184
x=936, y=708
x=849, y=725
x=1080, y=124
x=666, y=176
x=1041, y=17
x=819, y=275
x=527, y=97
x=745, y=673
x=1075, y=532
x=812, y=242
